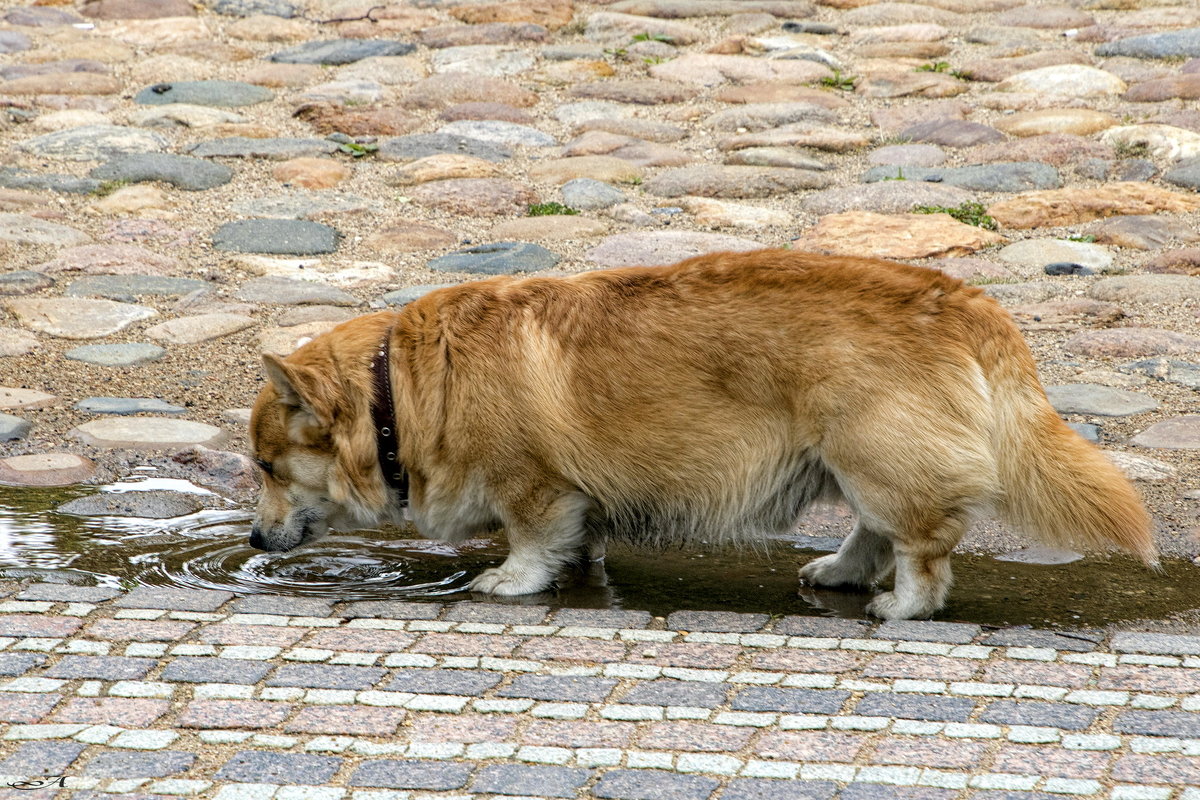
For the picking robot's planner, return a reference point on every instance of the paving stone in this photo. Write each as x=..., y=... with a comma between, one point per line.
x=276, y=237
x=1049, y=715
x=1157, y=643
x=875, y=791
x=695, y=737
x=218, y=714
x=1023, y=637
x=73, y=318
x=285, y=291
x=127, y=405
x=94, y=143
x=501, y=614
x=41, y=758
x=600, y=618
x=108, y=668
x=200, y=328
x=326, y=676
x=676, y=693
x=110, y=764
x=905, y=665
x=766, y=789
x=943, y=709
x=21, y=707
x=129, y=354
x=352, y=720
x=279, y=148
x=38, y=625
x=67, y=593
x=189, y=669
x=12, y=427
x=251, y=766
x=367, y=641
x=123, y=630
x=24, y=282
x=791, y=701
x=16, y=178
x=45, y=469
x=572, y=649
x=224, y=94
x=571, y=733
x=341, y=51
x=129, y=287
x=406, y=774
x=822, y=627
x=444, y=681
x=566, y=688
x=1184, y=42
x=157, y=504
x=653, y=785
x=1182, y=724
x=718, y=621
x=497, y=258
x=927, y=631
x=519, y=779
x=284, y=606
x=422, y=145
x=184, y=172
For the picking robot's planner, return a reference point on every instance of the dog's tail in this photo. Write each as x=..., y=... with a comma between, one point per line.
x=1054, y=485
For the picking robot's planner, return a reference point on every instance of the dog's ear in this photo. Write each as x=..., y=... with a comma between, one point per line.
x=299, y=387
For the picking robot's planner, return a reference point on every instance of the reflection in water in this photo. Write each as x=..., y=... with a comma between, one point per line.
x=209, y=550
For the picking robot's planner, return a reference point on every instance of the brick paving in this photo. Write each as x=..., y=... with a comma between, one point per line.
x=170, y=693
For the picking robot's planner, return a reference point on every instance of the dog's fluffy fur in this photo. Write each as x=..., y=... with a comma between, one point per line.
x=709, y=400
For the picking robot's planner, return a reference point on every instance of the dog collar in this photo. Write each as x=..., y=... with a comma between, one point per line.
x=383, y=413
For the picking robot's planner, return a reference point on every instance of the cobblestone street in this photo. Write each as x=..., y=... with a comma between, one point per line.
x=183, y=693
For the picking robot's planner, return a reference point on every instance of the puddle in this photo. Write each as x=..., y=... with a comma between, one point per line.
x=208, y=550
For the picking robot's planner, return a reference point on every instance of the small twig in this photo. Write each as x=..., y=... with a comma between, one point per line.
x=366, y=16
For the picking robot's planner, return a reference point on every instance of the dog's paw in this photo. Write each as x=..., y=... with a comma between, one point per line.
x=829, y=571
x=501, y=581
x=890, y=605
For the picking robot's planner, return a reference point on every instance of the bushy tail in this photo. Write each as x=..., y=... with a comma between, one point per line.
x=1056, y=486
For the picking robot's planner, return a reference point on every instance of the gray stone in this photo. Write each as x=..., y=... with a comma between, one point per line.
x=1169, y=44
x=39, y=17
x=471, y=683
x=252, y=766
x=587, y=194
x=17, y=178
x=1049, y=715
x=909, y=155
x=250, y=8
x=127, y=405
x=1185, y=173
x=131, y=354
x=326, y=676
x=1002, y=176
x=1085, y=429
x=519, y=779
x=184, y=172
x=199, y=328
x=1038, y=253
x=285, y=291
x=301, y=205
x=770, y=789
x=501, y=614
x=823, y=627
x=147, y=433
x=601, y=618
x=1178, y=433
x=94, y=143
x=790, y=157
x=218, y=94
x=420, y=145
x=790, y=701
x=279, y=148
x=873, y=791
x=156, y=504
x=1173, y=289
x=645, y=784
x=498, y=132
x=1157, y=644
x=1184, y=373
x=114, y=764
x=390, y=609
x=1086, y=398
x=497, y=258
x=924, y=630
x=67, y=593
x=567, y=688
x=14, y=42
x=341, y=51
x=105, y=668
x=716, y=621
x=188, y=669
x=283, y=605
x=128, y=287
x=402, y=297
x=676, y=693
x=1180, y=724
x=26, y=229
x=939, y=709
x=24, y=282
x=1045, y=556
x=276, y=237
x=15, y=664
x=1024, y=637
x=761, y=116
x=884, y=197
x=13, y=71
x=732, y=181
x=652, y=248
x=41, y=758
x=13, y=427
x=432, y=775
x=174, y=599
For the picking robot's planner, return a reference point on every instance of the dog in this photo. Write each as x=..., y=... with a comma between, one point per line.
x=711, y=400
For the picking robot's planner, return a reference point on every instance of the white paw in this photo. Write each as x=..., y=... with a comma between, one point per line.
x=828, y=571
x=502, y=581
x=889, y=605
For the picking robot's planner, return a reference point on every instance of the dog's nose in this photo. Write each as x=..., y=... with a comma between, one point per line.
x=256, y=538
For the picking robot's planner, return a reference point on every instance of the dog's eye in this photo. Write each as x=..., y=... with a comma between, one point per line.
x=264, y=466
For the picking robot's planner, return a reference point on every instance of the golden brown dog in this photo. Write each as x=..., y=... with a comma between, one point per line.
x=709, y=400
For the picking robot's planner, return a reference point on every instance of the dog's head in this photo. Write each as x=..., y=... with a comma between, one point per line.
x=312, y=436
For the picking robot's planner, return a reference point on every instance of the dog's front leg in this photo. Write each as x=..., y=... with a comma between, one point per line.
x=545, y=531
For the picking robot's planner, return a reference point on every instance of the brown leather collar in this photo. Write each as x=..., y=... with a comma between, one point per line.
x=383, y=413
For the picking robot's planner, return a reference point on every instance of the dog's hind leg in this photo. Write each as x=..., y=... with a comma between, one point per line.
x=923, y=575
x=543, y=535
x=864, y=557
